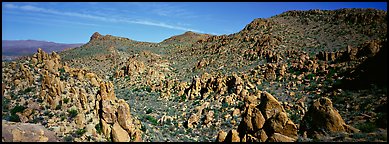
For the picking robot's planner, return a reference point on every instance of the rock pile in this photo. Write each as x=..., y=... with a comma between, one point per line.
x=68, y=101
x=263, y=122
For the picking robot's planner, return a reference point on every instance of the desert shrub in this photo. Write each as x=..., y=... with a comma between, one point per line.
x=80, y=131
x=147, y=88
x=13, y=117
x=61, y=70
x=72, y=113
x=151, y=119
x=66, y=100
x=183, y=97
x=149, y=110
x=98, y=128
x=224, y=105
x=366, y=127
x=29, y=89
x=68, y=138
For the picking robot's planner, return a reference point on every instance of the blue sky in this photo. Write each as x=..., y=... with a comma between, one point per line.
x=75, y=22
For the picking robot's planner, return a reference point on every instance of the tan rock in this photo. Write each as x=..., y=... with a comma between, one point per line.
x=221, y=136
x=80, y=120
x=252, y=121
x=26, y=132
x=90, y=75
x=236, y=112
x=232, y=136
x=108, y=113
x=261, y=135
x=283, y=125
x=276, y=137
x=269, y=106
x=123, y=115
x=119, y=134
x=106, y=129
x=193, y=120
x=94, y=82
x=137, y=136
x=322, y=116
x=209, y=117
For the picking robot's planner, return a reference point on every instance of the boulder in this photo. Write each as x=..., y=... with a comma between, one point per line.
x=232, y=136
x=119, y=134
x=26, y=132
x=276, y=137
x=221, y=136
x=322, y=117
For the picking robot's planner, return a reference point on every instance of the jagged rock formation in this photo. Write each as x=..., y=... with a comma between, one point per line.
x=72, y=104
x=266, y=121
x=192, y=86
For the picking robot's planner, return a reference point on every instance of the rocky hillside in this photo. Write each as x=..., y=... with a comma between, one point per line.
x=314, y=75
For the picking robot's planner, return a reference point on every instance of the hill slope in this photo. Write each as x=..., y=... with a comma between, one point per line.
x=297, y=76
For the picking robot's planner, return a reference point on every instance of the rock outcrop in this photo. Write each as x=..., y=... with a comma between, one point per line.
x=264, y=122
x=26, y=132
x=322, y=118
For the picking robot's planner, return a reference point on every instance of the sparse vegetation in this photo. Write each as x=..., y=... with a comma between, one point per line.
x=72, y=113
x=297, y=57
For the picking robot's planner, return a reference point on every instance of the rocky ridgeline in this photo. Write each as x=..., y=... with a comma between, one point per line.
x=76, y=105
x=361, y=16
x=367, y=49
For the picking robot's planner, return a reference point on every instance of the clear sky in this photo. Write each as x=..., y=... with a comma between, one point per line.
x=75, y=22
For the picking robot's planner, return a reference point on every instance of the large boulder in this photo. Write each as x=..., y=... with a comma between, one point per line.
x=26, y=132
x=322, y=117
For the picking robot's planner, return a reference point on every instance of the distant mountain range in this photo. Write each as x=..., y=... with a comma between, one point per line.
x=12, y=49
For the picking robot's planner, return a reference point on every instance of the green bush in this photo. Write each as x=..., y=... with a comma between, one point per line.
x=17, y=109
x=310, y=76
x=224, y=105
x=66, y=100
x=72, y=113
x=151, y=119
x=29, y=89
x=366, y=127
x=147, y=88
x=80, y=131
x=183, y=97
x=68, y=138
x=13, y=117
x=98, y=128
x=61, y=70
x=149, y=110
